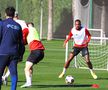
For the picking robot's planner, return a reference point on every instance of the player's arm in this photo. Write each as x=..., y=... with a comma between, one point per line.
x=89, y=36
x=25, y=33
x=68, y=38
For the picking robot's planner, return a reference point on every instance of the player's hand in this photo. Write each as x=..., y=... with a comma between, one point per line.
x=64, y=45
x=85, y=42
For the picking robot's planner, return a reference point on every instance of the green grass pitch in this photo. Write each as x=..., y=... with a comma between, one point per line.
x=45, y=75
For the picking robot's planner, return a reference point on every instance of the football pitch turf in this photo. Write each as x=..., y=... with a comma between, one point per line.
x=45, y=75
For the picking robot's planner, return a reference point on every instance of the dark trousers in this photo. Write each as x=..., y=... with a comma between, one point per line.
x=10, y=61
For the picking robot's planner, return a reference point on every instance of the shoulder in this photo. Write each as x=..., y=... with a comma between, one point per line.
x=84, y=28
x=20, y=21
x=4, y=22
x=17, y=25
x=73, y=30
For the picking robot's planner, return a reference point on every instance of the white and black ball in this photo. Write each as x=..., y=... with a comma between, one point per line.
x=69, y=79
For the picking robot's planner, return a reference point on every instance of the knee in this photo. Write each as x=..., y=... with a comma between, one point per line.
x=88, y=62
x=71, y=56
x=26, y=69
x=31, y=71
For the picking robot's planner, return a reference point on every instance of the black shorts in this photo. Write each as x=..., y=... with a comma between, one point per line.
x=35, y=56
x=77, y=50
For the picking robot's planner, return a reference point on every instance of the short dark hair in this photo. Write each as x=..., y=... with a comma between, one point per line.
x=10, y=11
x=78, y=20
x=30, y=23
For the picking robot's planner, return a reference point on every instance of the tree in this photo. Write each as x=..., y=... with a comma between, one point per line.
x=50, y=20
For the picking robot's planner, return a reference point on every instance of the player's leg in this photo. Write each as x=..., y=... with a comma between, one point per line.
x=88, y=61
x=5, y=75
x=85, y=53
x=70, y=58
x=13, y=72
x=90, y=66
x=28, y=74
x=34, y=58
x=66, y=65
x=3, y=64
x=28, y=71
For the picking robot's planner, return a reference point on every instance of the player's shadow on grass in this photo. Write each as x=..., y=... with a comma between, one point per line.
x=62, y=86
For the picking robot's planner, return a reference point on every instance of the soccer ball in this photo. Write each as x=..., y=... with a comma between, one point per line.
x=69, y=79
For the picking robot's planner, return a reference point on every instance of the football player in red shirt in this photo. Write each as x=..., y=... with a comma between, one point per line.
x=31, y=37
x=81, y=38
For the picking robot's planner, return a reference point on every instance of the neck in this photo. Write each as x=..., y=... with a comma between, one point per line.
x=8, y=17
x=79, y=29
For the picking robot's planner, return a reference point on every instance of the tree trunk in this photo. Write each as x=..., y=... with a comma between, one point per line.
x=50, y=12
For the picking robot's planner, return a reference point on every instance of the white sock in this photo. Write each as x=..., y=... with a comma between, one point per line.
x=28, y=78
x=28, y=73
x=91, y=70
x=64, y=70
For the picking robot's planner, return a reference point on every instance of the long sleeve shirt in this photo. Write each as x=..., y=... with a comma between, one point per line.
x=11, y=40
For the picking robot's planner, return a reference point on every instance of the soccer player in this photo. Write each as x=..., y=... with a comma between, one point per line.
x=24, y=27
x=11, y=46
x=4, y=80
x=81, y=37
x=36, y=47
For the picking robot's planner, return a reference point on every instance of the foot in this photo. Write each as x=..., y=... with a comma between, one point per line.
x=94, y=75
x=26, y=85
x=4, y=80
x=61, y=75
